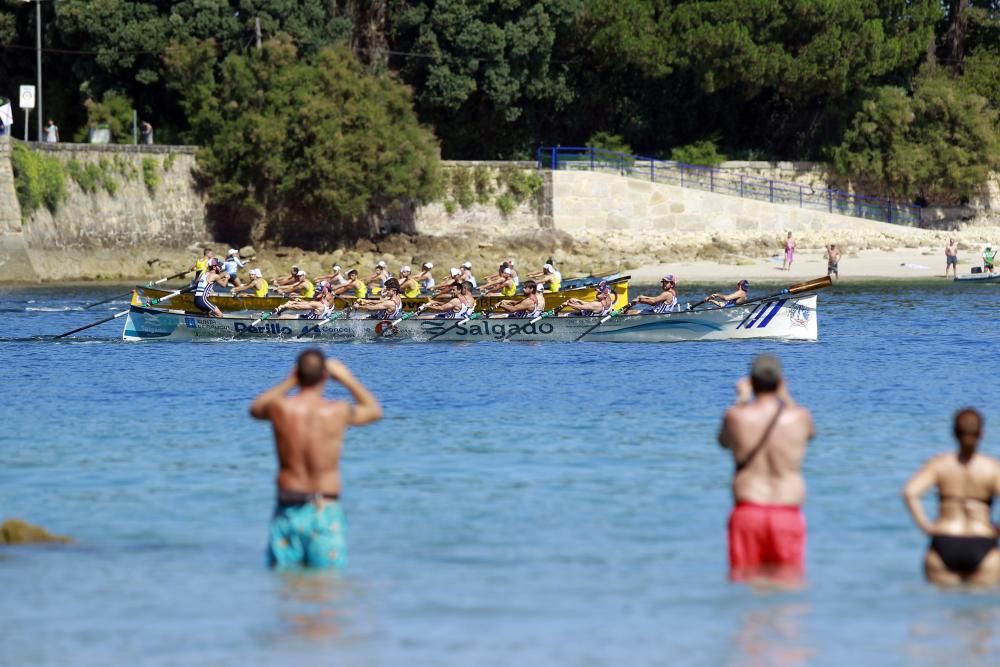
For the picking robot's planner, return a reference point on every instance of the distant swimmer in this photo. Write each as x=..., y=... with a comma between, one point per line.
x=257, y=286
x=308, y=527
x=963, y=547
x=205, y=287
x=951, y=258
x=408, y=286
x=461, y=304
x=988, y=255
x=832, y=261
x=768, y=437
x=733, y=299
x=601, y=306
x=665, y=301
x=789, y=252
x=388, y=306
x=532, y=305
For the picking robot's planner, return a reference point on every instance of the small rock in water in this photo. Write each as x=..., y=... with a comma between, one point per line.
x=15, y=531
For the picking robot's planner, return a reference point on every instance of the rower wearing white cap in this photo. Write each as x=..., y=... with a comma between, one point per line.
x=425, y=277
x=513, y=272
x=455, y=279
x=301, y=287
x=232, y=265
x=502, y=283
x=376, y=281
x=665, y=301
x=289, y=279
x=408, y=286
x=550, y=280
x=336, y=278
x=353, y=283
x=601, y=306
x=257, y=285
x=467, y=274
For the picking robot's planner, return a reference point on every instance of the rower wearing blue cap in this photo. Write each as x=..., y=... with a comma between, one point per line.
x=734, y=299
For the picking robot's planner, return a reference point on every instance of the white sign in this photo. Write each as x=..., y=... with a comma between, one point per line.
x=27, y=97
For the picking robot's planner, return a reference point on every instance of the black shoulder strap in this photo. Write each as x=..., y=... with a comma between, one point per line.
x=763, y=439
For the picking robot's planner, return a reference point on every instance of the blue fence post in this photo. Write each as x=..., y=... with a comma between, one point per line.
x=771, y=188
x=800, y=196
x=741, y=185
x=829, y=200
x=555, y=159
x=711, y=180
x=592, y=158
x=680, y=168
x=888, y=210
x=652, y=172
x=538, y=157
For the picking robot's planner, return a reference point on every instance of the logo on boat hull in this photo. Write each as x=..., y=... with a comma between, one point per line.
x=799, y=316
x=491, y=330
x=386, y=329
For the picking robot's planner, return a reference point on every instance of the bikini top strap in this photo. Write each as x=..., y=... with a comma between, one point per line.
x=763, y=439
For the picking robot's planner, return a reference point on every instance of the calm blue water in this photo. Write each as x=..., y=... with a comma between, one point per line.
x=539, y=504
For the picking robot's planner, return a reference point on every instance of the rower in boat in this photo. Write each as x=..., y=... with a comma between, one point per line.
x=389, y=306
x=513, y=271
x=286, y=280
x=200, y=265
x=408, y=286
x=232, y=265
x=466, y=274
x=376, y=281
x=336, y=278
x=462, y=303
x=550, y=279
x=319, y=308
x=206, y=287
x=425, y=277
x=734, y=299
x=603, y=305
x=664, y=302
x=445, y=285
x=301, y=287
x=502, y=283
x=353, y=283
x=532, y=305
x=256, y=287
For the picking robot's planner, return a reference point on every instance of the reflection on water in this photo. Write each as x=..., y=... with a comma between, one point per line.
x=966, y=631
x=772, y=635
x=308, y=605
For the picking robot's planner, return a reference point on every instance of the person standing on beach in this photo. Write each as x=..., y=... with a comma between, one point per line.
x=308, y=528
x=832, y=261
x=963, y=547
x=789, y=252
x=51, y=132
x=951, y=258
x=767, y=434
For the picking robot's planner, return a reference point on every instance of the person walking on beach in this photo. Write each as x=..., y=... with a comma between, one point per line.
x=963, y=547
x=789, y=252
x=308, y=528
x=951, y=258
x=767, y=434
x=832, y=261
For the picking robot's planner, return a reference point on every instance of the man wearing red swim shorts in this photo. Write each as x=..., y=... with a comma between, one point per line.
x=768, y=435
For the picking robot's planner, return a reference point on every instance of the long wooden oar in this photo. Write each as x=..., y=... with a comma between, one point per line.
x=613, y=313
x=808, y=286
x=121, y=296
x=125, y=312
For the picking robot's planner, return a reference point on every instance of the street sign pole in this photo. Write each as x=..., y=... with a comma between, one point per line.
x=26, y=97
x=25, y=124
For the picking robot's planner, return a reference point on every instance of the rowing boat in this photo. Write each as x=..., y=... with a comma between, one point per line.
x=778, y=317
x=984, y=277
x=584, y=289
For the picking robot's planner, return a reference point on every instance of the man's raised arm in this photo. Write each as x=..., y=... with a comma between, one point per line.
x=367, y=409
x=261, y=405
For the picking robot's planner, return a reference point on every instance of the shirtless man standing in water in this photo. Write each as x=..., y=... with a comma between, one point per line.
x=768, y=437
x=308, y=526
x=963, y=548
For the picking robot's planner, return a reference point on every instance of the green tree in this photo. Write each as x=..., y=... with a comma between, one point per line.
x=305, y=150
x=937, y=145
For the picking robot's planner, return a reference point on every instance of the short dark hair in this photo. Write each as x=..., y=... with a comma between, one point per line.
x=964, y=415
x=765, y=374
x=528, y=283
x=310, y=369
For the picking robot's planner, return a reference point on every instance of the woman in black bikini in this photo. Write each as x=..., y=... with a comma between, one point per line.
x=963, y=548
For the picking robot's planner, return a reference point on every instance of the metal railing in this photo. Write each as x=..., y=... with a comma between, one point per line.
x=722, y=181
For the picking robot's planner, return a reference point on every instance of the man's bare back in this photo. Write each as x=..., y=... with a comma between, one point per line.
x=774, y=475
x=309, y=429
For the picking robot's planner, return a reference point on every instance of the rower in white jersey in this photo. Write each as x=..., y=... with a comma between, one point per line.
x=206, y=286
x=664, y=302
x=461, y=305
x=466, y=274
x=320, y=308
x=389, y=305
x=600, y=307
x=425, y=277
x=532, y=305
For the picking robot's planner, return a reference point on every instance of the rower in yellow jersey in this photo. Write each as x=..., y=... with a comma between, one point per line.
x=408, y=286
x=353, y=283
x=550, y=279
x=257, y=284
x=302, y=287
x=505, y=286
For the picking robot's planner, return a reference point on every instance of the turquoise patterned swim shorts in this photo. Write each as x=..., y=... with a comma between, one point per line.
x=308, y=535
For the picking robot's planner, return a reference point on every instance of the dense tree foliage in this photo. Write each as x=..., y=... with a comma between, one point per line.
x=304, y=150
x=789, y=79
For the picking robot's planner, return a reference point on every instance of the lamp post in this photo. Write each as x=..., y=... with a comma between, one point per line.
x=38, y=60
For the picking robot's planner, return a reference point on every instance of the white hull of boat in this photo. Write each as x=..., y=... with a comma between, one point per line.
x=783, y=318
x=984, y=277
